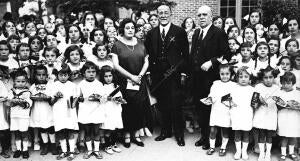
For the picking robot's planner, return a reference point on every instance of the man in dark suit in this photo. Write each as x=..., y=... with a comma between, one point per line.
x=167, y=46
x=209, y=45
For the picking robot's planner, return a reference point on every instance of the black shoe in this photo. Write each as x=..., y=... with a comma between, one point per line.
x=54, y=149
x=126, y=145
x=138, y=143
x=162, y=137
x=180, y=141
x=17, y=154
x=200, y=142
x=25, y=154
x=205, y=146
x=44, y=150
x=5, y=154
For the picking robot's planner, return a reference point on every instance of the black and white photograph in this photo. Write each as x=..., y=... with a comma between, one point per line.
x=150, y=80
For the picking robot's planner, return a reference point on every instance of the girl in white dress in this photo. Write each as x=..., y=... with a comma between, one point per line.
x=220, y=116
x=265, y=115
x=64, y=99
x=90, y=113
x=289, y=116
x=4, y=126
x=20, y=104
x=241, y=112
x=41, y=117
x=113, y=109
x=74, y=56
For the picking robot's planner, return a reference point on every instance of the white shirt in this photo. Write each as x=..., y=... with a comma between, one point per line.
x=204, y=30
x=167, y=27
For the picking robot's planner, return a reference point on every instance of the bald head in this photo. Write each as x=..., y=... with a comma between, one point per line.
x=205, y=16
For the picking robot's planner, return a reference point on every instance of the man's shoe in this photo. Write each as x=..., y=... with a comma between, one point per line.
x=44, y=149
x=162, y=137
x=180, y=141
x=205, y=146
x=200, y=142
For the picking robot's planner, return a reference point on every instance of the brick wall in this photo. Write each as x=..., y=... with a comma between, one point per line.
x=188, y=8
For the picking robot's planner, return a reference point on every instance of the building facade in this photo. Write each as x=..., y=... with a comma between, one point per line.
x=234, y=8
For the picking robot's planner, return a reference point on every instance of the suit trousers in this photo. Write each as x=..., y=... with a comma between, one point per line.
x=170, y=101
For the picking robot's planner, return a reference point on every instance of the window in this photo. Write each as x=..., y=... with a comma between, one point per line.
x=248, y=6
x=228, y=8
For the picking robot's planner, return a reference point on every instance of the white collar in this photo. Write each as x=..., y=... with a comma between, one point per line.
x=167, y=27
x=205, y=29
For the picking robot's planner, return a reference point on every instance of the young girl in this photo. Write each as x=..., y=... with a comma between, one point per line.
x=265, y=116
x=20, y=104
x=284, y=65
x=262, y=57
x=234, y=32
x=288, y=117
x=13, y=41
x=260, y=32
x=220, y=116
x=274, y=44
x=36, y=47
x=249, y=35
x=64, y=97
x=41, y=114
x=292, y=46
x=4, y=126
x=241, y=112
x=51, y=54
x=100, y=56
x=246, y=57
x=90, y=112
x=74, y=56
x=112, y=108
x=234, y=46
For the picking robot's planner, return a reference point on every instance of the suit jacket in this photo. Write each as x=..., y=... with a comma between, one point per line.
x=213, y=46
x=176, y=49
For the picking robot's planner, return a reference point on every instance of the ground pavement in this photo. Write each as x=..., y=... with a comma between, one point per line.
x=166, y=150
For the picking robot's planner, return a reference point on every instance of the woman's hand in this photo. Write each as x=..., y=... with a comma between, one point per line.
x=136, y=79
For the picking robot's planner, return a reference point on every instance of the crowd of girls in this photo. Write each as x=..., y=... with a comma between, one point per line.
x=59, y=91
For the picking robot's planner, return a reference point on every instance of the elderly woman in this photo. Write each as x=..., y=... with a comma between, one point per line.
x=131, y=61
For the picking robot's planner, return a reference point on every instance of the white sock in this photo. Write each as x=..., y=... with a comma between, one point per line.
x=52, y=138
x=238, y=146
x=96, y=145
x=283, y=151
x=89, y=145
x=212, y=143
x=291, y=149
x=244, y=147
x=72, y=143
x=261, y=148
x=18, y=145
x=224, y=143
x=63, y=145
x=45, y=137
x=269, y=147
x=25, y=145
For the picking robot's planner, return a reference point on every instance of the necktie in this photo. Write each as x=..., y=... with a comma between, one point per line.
x=201, y=35
x=163, y=35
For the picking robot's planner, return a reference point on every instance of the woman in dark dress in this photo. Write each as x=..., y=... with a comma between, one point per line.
x=131, y=61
